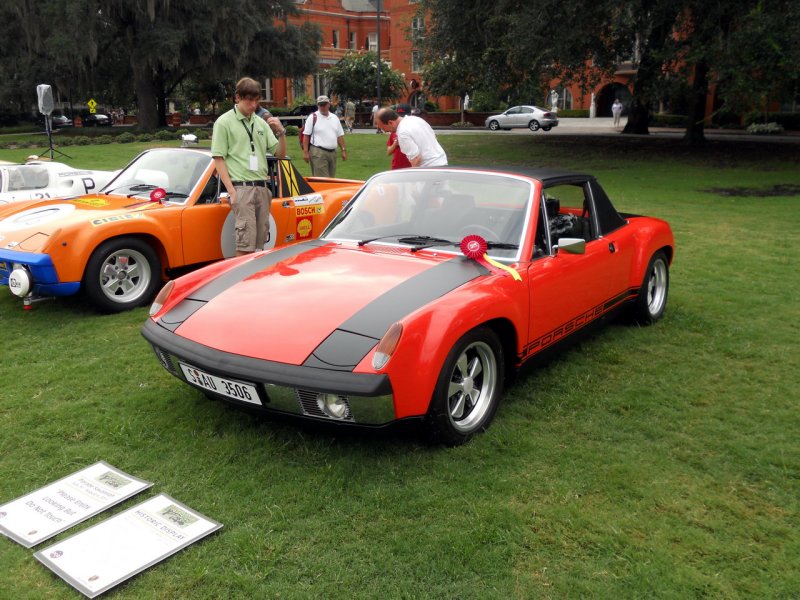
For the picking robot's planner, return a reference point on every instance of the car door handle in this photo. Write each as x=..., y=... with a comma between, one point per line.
x=611, y=247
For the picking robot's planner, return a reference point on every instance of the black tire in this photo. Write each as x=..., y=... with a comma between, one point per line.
x=494, y=125
x=652, y=299
x=121, y=274
x=546, y=128
x=533, y=125
x=469, y=388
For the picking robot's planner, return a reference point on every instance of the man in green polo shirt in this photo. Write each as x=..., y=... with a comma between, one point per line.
x=239, y=145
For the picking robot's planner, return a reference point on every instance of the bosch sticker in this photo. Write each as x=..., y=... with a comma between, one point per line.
x=308, y=211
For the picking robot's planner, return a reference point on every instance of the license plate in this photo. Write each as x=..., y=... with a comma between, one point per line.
x=238, y=390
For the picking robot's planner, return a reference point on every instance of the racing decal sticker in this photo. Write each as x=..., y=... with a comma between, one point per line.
x=95, y=202
x=311, y=199
x=304, y=228
x=35, y=217
x=117, y=218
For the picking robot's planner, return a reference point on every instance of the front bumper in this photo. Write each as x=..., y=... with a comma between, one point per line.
x=282, y=388
x=43, y=272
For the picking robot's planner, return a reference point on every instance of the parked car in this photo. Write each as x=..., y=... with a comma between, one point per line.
x=164, y=211
x=532, y=117
x=416, y=300
x=46, y=179
x=97, y=120
x=61, y=121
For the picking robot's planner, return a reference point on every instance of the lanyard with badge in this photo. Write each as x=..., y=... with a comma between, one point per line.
x=253, y=157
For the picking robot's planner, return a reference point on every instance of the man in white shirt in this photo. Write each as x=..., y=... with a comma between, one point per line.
x=416, y=138
x=322, y=133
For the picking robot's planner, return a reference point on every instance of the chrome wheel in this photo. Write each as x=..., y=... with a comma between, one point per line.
x=121, y=274
x=652, y=298
x=494, y=125
x=533, y=125
x=657, y=287
x=125, y=276
x=472, y=387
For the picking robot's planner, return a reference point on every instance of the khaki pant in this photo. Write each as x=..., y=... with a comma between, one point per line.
x=251, y=214
x=323, y=163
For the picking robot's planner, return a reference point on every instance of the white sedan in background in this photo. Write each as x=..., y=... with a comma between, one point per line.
x=39, y=179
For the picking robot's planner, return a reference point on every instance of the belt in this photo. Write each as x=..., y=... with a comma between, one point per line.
x=326, y=149
x=259, y=183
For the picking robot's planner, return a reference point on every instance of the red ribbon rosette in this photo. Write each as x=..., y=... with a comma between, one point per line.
x=158, y=194
x=475, y=247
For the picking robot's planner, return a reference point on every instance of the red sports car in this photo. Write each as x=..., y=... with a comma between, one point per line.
x=416, y=300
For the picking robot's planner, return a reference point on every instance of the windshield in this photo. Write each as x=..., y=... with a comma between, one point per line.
x=177, y=171
x=27, y=177
x=425, y=208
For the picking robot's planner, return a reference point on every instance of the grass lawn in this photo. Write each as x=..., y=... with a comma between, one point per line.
x=659, y=462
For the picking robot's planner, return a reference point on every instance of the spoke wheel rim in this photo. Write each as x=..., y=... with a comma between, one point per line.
x=472, y=387
x=657, y=287
x=125, y=275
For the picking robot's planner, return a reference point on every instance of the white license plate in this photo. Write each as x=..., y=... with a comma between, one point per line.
x=238, y=390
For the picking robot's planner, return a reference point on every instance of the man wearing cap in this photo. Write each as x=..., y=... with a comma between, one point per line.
x=239, y=145
x=323, y=132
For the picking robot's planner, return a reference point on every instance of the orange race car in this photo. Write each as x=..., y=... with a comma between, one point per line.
x=160, y=214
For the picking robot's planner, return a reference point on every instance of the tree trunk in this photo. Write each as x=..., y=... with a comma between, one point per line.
x=638, y=118
x=146, y=95
x=695, y=128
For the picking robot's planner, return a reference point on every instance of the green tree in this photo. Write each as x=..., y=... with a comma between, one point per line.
x=166, y=42
x=680, y=48
x=356, y=76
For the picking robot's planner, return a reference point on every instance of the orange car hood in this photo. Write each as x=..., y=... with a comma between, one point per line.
x=285, y=311
x=20, y=220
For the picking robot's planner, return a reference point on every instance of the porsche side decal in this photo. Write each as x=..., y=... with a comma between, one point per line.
x=576, y=323
x=372, y=321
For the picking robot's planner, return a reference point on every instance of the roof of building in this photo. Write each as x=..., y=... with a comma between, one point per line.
x=360, y=5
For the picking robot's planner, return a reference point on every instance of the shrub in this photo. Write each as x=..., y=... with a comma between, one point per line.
x=66, y=141
x=665, y=120
x=3, y=145
x=788, y=120
x=462, y=124
x=582, y=113
x=431, y=106
x=292, y=130
x=103, y=139
x=126, y=138
x=144, y=137
x=764, y=128
x=82, y=140
x=202, y=134
x=163, y=134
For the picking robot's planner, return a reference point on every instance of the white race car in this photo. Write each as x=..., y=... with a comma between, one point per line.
x=38, y=179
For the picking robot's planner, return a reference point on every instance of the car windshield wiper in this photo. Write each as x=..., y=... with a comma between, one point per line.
x=176, y=195
x=425, y=241
x=382, y=237
x=502, y=245
x=141, y=187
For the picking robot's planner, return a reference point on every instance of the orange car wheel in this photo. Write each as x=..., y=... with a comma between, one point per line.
x=121, y=274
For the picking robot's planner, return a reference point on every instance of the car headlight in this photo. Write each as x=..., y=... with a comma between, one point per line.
x=334, y=406
x=158, y=303
x=387, y=346
x=20, y=281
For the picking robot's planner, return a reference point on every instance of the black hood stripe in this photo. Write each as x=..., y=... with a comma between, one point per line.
x=375, y=318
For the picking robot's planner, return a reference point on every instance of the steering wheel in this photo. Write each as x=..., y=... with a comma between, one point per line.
x=484, y=232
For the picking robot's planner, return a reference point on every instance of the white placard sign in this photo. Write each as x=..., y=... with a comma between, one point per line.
x=95, y=560
x=56, y=507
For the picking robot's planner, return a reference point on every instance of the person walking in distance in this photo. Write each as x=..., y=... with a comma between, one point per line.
x=322, y=133
x=616, y=111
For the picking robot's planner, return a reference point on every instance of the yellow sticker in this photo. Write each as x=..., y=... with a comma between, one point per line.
x=308, y=211
x=91, y=201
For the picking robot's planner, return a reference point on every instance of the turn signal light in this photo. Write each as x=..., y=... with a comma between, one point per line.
x=158, y=303
x=387, y=346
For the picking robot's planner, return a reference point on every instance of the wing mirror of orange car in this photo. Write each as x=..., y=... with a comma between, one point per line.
x=572, y=245
x=225, y=197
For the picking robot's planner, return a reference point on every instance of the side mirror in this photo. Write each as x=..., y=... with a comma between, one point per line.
x=572, y=245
